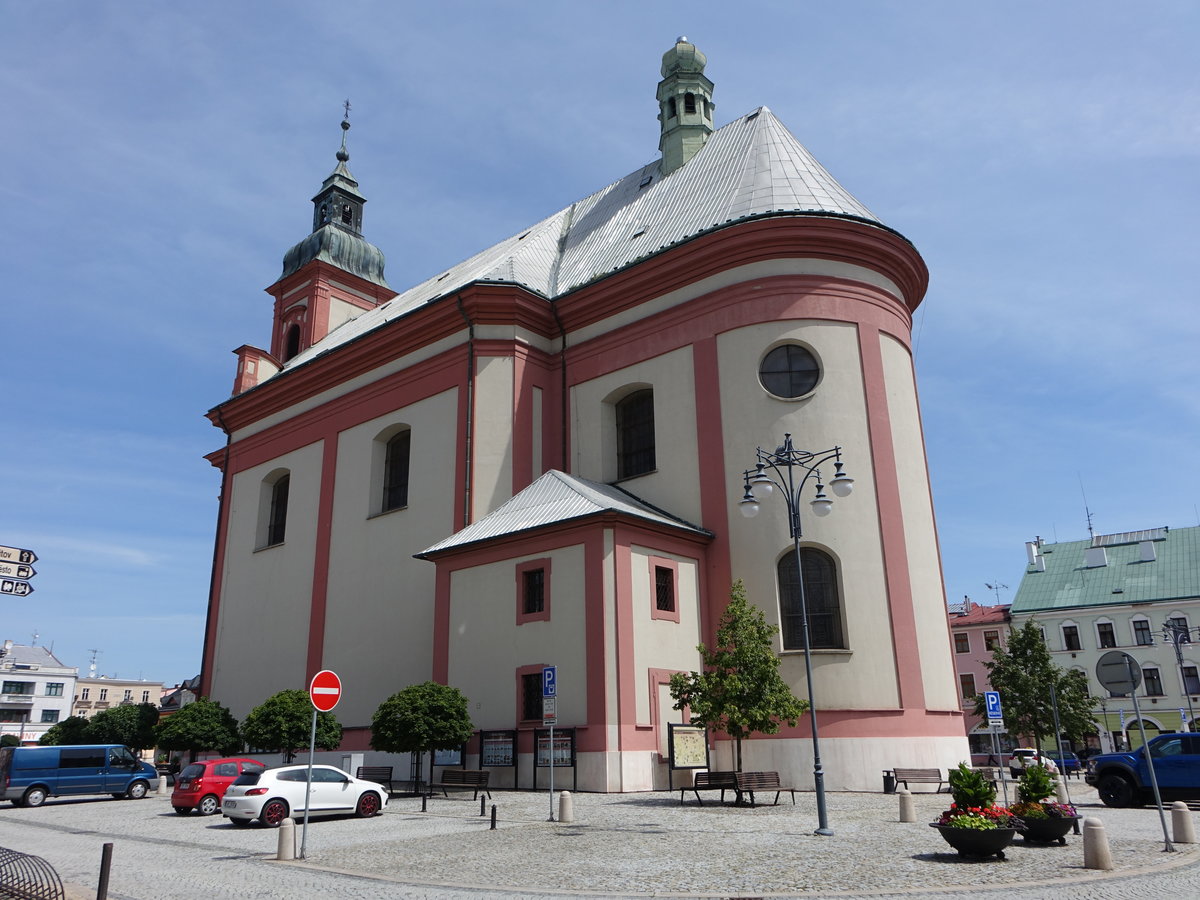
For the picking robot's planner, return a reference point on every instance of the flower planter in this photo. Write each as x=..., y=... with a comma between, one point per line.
x=1048, y=831
x=973, y=842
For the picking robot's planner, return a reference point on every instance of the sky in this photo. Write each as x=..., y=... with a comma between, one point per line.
x=159, y=159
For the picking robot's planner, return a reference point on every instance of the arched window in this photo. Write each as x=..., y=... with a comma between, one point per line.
x=395, y=471
x=277, y=514
x=635, y=434
x=672, y=109
x=822, y=598
x=346, y=214
x=689, y=103
x=291, y=343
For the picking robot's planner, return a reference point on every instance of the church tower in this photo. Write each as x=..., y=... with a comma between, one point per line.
x=685, y=107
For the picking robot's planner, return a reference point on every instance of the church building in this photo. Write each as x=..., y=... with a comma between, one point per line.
x=537, y=457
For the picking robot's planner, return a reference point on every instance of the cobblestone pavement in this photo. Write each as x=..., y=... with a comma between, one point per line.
x=617, y=846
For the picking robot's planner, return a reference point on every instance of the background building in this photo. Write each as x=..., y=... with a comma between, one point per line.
x=976, y=632
x=100, y=692
x=1135, y=591
x=536, y=457
x=36, y=693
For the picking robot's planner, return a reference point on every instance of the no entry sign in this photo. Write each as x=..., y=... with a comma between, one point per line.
x=325, y=690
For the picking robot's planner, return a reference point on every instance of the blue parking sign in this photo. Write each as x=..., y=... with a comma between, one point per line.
x=992, y=700
x=549, y=681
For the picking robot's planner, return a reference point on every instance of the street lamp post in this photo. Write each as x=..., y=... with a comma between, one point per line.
x=777, y=469
x=1178, y=635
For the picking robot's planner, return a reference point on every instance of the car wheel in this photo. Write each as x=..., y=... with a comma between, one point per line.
x=273, y=813
x=239, y=823
x=137, y=790
x=35, y=796
x=368, y=805
x=183, y=810
x=209, y=805
x=1116, y=790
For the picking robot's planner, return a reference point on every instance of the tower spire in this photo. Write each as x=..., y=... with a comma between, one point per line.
x=685, y=107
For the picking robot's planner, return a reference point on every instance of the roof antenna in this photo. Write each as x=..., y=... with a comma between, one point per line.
x=1086, y=510
x=92, y=667
x=996, y=587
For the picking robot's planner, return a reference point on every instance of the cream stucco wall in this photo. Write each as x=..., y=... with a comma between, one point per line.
x=379, y=606
x=673, y=485
x=266, y=593
x=487, y=646
x=864, y=675
x=493, y=457
x=660, y=643
x=920, y=538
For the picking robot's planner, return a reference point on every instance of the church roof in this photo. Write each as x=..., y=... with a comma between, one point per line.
x=752, y=167
x=553, y=499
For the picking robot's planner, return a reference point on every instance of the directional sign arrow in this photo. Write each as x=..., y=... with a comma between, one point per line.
x=17, y=555
x=13, y=570
x=16, y=588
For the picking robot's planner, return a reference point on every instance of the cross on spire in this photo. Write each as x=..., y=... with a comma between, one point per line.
x=347, y=106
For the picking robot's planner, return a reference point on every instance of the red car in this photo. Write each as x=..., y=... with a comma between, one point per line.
x=201, y=785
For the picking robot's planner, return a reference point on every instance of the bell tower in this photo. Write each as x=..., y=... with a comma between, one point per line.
x=685, y=107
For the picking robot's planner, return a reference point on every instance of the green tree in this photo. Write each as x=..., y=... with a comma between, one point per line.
x=72, y=730
x=740, y=691
x=283, y=722
x=1023, y=673
x=10, y=740
x=129, y=724
x=203, y=725
x=427, y=716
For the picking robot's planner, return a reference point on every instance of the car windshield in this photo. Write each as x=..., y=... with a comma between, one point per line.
x=195, y=770
x=247, y=778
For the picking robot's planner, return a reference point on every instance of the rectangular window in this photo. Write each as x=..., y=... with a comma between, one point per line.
x=21, y=688
x=129, y=695
x=103, y=693
x=991, y=640
x=54, y=689
x=277, y=521
x=1191, y=681
x=664, y=589
x=1070, y=637
x=1179, y=626
x=50, y=715
x=14, y=715
x=145, y=696
x=1141, y=633
x=531, y=696
x=635, y=434
x=85, y=693
x=967, y=684
x=1108, y=637
x=533, y=592
x=395, y=471
x=1153, y=682
x=962, y=642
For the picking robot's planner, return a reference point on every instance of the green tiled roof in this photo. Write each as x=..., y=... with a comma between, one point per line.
x=1070, y=583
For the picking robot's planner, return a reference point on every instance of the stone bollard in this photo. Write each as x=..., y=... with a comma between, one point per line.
x=1060, y=791
x=907, y=811
x=286, y=848
x=566, y=807
x=163, y=787
x=1181, y=823
x=1096, y=852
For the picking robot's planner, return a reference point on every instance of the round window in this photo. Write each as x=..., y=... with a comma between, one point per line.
x=789, y=371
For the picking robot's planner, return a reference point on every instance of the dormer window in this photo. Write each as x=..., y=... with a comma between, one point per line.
x=689, y=103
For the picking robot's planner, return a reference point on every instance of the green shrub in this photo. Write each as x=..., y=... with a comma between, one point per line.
x=1035, y=785
x=970, y=789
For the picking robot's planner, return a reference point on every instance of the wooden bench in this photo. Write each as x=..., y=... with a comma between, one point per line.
x=919, y=776
x=379, y=774
x=463, y=779
x=709, y=781
x=991, y=773
x=749, y=782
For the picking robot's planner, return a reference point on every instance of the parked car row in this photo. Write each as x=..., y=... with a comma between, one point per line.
x=243, y=790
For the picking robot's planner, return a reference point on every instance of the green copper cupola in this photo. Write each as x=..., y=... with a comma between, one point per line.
x=685, y=107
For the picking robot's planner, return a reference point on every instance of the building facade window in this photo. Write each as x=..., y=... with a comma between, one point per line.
x=103, y=693
x=1070, y=635
x=395, y=471
x=54, y=688
x=635, y=434
x=128, y=695
x=664, y=589
x=822, y=598
x=21, y=688
x=991, y=640
x=962, y=642
x=85, y=693
x=277, y=524
x=50, y=715
x=14, y=715
x=1107, y=636
x=533, y=591
x=789, y=371
x=529, y=693
x=1141, y=633
x=145, y=696
x=1179, y=625
x=1153, y=681
x=1191, y=680
x=967, y=685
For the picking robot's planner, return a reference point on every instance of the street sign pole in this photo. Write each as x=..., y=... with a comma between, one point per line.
x=312, y=748
x=324, y=692
x=549, y=717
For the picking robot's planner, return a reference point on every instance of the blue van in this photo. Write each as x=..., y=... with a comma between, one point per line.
x=28, y=775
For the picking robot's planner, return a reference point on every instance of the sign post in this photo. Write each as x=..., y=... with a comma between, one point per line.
x=549, y=717
x=325, y=690
x=995, y=717
x=16, y=568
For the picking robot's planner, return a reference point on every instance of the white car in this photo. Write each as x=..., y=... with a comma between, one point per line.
x=273, y=795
